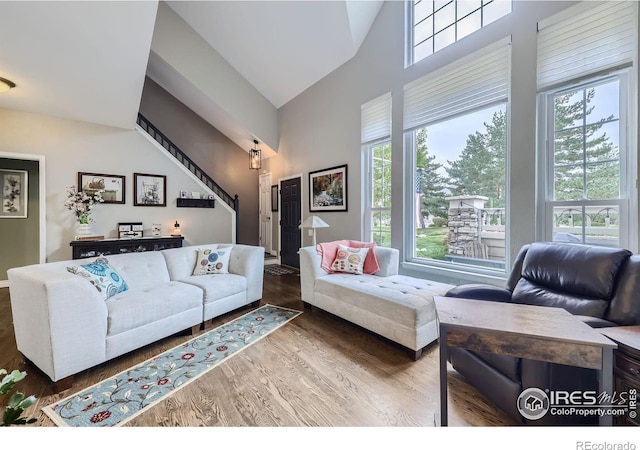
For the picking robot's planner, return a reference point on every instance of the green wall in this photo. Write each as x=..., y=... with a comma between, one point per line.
x=20, y=238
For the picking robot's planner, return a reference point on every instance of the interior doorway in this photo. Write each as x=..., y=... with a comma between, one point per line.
x=266, y=228
x=290, y=216
x=22, y=238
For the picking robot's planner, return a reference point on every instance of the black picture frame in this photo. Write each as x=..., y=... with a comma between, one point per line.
x=328, y=189
x=274, y=198
x=149, y=190
x=113, y=186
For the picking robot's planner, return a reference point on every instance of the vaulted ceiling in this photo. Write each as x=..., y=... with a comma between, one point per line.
x=87, y=60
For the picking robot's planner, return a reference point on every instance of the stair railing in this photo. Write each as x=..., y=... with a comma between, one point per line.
x=183, y=159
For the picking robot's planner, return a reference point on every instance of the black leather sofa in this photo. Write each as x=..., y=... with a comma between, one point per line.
x=600, y=285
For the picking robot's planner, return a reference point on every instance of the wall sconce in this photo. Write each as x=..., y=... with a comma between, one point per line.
x=5, y=84
x=176, y=230
x=255, y=160
x=314, y=222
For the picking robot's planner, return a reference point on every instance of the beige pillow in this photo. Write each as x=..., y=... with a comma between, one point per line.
x=212, y=261
x=349, y=259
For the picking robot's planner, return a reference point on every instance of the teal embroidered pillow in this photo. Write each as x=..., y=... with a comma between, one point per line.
x=102, y=276
x=212, y=261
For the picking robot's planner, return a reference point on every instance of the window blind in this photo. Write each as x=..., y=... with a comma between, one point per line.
x=376, y=119
x=472, y=82
x=585, y=39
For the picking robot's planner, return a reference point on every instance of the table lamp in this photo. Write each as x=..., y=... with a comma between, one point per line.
x=314, y=222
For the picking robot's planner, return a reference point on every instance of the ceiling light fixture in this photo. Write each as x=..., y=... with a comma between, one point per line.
x=255, y=159
x=5, y=84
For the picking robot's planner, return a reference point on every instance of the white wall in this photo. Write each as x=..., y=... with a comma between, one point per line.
x=215, y=90
x=321, y=127
x=70, y=147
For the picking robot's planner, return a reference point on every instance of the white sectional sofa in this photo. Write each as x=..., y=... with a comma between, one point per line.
x=64, y=326
x=398, y=307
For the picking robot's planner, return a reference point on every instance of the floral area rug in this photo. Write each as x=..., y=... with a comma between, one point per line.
x=117, y=400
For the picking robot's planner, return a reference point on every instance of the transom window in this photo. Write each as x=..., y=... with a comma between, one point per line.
x=436, y=24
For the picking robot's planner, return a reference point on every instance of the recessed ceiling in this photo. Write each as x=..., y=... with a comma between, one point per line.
x=87, y=60
x=281, y=47
x=78, y=60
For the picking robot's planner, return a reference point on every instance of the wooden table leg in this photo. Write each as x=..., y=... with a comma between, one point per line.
x=443, y=376
x=605, y=377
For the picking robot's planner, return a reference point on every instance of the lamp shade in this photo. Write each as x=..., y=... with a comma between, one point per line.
x=314, y=222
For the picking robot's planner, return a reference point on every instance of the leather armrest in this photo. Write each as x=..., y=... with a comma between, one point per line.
x=596, y=322
x=480, y=292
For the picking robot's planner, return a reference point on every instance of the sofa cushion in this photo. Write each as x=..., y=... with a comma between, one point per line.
x=135, y=308
x=181, y=261
x=218, y=286
x=533, y=294
x=141, y=270
x=328, y=250
x=211, y=261
x=574, y=269
x=349, y=259
x=102, y=276
x=403, y=299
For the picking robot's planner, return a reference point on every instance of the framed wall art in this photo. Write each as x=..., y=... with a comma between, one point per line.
x=149, y=190
x=274, y=198
x=14, y=185
x=328, y=189
x=113, y=186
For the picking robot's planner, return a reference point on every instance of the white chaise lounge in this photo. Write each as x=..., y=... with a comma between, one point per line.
x=398, y=307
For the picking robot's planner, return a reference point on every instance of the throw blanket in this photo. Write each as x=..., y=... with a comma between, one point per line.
x=328, y=252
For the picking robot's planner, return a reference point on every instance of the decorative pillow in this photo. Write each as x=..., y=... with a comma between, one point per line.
x=212, y=261
x=104, y=278
x=349, y=259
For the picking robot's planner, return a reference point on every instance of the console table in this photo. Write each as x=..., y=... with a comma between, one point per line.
x=115, y=246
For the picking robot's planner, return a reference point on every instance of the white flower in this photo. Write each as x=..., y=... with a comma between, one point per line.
x=80, y=202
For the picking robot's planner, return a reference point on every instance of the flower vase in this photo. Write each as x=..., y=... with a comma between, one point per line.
x=82, y=230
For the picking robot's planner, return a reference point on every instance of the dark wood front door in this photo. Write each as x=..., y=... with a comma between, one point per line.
x=290, y=210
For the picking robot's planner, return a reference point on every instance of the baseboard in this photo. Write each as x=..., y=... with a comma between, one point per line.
x=4, y=283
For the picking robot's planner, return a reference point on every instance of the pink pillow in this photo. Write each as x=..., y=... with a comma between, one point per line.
x=328, y=252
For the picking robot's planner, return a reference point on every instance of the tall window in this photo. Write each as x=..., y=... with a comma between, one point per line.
x=379, y=215
x=584, y=85
x=585, y=176
x=436, y=24
x=376, y=145
x=456, y=127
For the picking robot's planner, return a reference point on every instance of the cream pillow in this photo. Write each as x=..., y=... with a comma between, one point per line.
x=349, y=260
x=212, y=261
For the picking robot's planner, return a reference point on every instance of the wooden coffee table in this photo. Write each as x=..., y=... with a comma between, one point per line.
x=530, y=332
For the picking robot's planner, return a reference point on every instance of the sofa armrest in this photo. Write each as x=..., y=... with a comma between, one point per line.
x=480, y=292
x=597, y=322
x=388, y=260
x=248, y=261
x=310, y=270
x=60, y=319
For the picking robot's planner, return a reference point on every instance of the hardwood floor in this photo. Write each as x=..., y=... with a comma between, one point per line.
x=316, y=371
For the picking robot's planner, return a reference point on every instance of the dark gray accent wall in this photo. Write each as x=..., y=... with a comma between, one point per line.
x=20, y=238
x=216, y=154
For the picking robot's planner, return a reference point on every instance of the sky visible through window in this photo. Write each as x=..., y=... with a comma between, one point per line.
x=447, y=139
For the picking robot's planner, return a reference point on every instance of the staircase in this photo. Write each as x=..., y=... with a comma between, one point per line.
x=183, y=159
